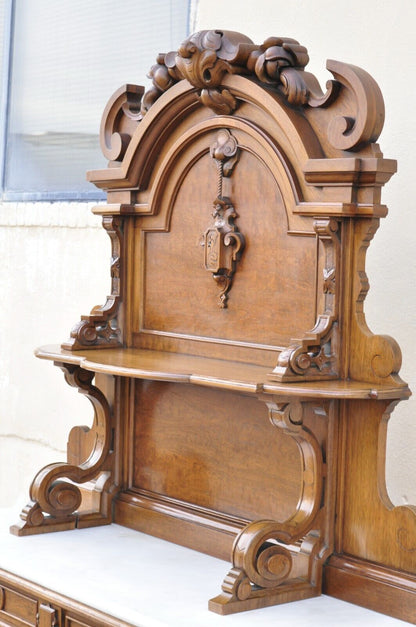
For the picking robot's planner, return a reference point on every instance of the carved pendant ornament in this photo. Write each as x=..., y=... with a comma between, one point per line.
x=223, y=243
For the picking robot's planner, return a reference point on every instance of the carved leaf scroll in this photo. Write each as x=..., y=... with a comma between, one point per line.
x=55, y=495
x=205, y=57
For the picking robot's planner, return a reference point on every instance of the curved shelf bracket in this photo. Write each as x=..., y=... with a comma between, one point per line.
x=316, y=355
x=267, y=572
x=273, y=562
x=102, y=328
x=55, y=496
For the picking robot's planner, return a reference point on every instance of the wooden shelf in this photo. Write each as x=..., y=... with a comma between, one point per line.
x=214, y=373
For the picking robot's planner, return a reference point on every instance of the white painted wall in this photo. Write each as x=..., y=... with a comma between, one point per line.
x=56, y=258
x=55, y=267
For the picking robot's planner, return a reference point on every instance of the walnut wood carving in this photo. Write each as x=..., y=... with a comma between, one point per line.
x=241, y=203
x=272, y=560
x=55, y=501
x=101, y=329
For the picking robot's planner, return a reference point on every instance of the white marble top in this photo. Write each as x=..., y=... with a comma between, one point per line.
x=152, y=583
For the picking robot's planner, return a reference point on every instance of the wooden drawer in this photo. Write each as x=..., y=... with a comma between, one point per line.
x=17, y=609
x=27, y=604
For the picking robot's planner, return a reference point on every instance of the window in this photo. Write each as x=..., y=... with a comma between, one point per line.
x=61, y=63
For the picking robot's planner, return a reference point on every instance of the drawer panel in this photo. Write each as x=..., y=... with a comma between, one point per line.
x=17, y=609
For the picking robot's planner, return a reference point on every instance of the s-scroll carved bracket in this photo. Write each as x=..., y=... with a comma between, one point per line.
x=316, y=356
x=288, y=417
x=274, y=562
x=101, y=328
x=54, y=493
x=222, y=241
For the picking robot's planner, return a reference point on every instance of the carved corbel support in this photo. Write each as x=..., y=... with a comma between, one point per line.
x=101, y=328
x=267, y=572
x=315, y=356
x=289, y=417
x=274, y=562
x=222, y=241
x=379, y=357
x=54, y=493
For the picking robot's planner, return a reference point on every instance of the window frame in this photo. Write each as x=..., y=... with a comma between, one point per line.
x=8, y=26
x=5, y=97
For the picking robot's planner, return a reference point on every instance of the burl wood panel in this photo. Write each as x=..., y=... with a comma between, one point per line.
x=277, y=272
x=199, y=446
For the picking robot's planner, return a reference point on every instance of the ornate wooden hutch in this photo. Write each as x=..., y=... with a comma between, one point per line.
x=240, y=401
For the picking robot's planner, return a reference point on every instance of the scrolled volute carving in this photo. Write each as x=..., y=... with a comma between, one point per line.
x=263, y=567
x=365, y=122
x=265, y=564
x=101, y=328
x=288, y=416
x=54, y=493
x=205, y=57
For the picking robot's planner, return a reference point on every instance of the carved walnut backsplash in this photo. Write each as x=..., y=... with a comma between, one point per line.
x=244, y=416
